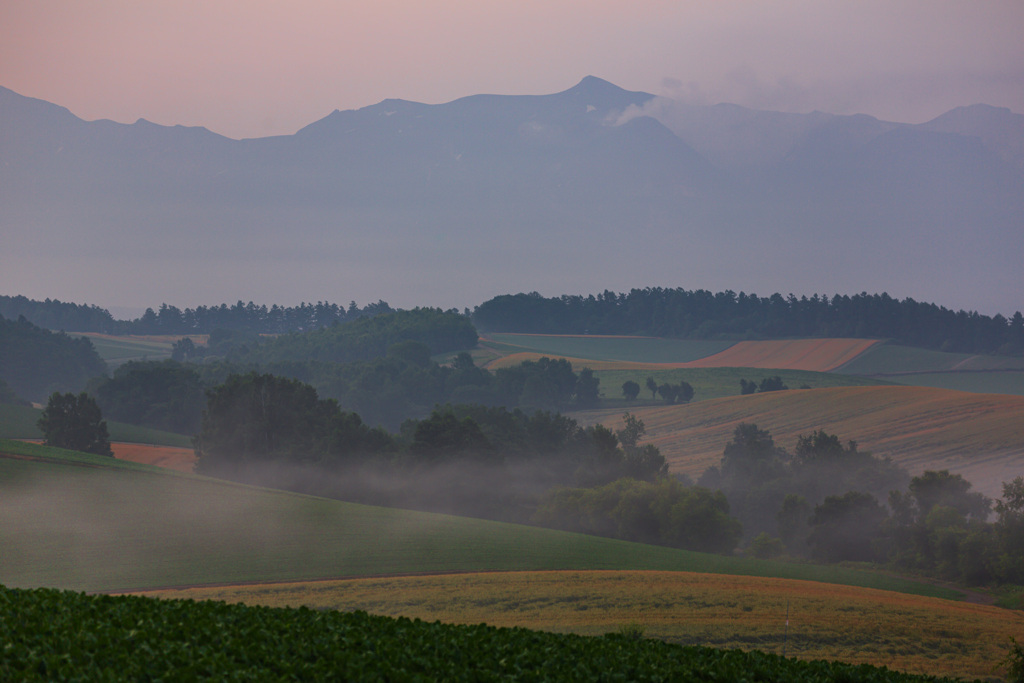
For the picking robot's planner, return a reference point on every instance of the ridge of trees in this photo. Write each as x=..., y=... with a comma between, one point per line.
x=54, y=314
x=653, y=311
x=701, y=314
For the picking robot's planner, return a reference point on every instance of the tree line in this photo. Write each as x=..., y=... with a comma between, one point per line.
x=54, y=314
x=34, y=362
x=701, y=314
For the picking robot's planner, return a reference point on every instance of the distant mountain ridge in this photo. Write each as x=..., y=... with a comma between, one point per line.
x=593, y=187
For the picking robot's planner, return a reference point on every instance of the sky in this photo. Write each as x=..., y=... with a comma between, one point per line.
x=252, y=68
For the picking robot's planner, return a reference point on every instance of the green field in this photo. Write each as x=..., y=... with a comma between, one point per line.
x=711, y=383
x=891, y=359
x=100, y=525
x=118, y=350
x=631, y=349
x=19, y=422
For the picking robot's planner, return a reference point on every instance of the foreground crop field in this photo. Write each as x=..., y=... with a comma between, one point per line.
x=53, y=635
x=94, y=523
x=856, y=625
x=977, y=435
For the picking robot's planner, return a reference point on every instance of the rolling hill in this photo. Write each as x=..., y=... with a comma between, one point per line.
x=92, y=523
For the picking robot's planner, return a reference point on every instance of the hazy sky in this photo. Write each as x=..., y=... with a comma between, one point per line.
x=261, y=67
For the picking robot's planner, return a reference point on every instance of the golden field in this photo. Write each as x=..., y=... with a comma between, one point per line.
x=859, y=625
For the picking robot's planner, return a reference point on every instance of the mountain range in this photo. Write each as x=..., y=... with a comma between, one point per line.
x=588, y=189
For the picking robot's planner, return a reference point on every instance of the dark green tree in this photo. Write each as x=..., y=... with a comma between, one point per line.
x=669, y=392
x=254, y=423
x=771, y=384
x=652, y=386
x=587, y=389
x=443, y=436
x=630, y=390
x=847, y=527
x=75, y=422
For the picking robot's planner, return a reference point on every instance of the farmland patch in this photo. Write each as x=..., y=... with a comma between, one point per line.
x=859, y=625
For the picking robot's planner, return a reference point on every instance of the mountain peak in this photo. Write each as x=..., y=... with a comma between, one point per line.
x=604, y=96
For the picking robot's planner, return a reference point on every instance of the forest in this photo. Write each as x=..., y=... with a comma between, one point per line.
x=701, y=314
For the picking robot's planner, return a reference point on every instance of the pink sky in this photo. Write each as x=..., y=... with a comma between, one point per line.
x=263, y=67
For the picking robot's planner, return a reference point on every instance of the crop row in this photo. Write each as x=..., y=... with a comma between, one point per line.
x=53, y=635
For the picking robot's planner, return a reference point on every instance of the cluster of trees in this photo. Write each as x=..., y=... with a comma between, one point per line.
x=663, y=512
x=670, y=393
x=54, y=314
x=703, y=314
x=258, y=319
x=825, y=501
x=163, y=395
x=469, y=459
x=774, y=383
x=761, y=479
x=35, y=362
x=76, y=423
x=370, y=337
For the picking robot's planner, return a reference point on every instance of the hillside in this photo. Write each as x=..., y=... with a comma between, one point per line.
x=92, y=523
x=976, y=435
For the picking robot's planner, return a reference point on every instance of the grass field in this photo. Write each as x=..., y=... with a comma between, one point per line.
x=977, y=435
x=891, y=359
x=119, y=349
x=711, y=383
x=92, y=523
x=975, y=381
x=19, y=422
x=857, y=625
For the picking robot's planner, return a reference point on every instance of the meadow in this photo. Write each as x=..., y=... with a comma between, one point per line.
x=856, y=625
x=99, y=524
x=19, y=422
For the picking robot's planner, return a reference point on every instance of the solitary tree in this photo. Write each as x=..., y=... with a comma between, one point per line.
x=630, y=390
x=75, y=423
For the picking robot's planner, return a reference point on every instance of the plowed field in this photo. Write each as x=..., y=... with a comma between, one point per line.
x=180, y=459
x=905, y=632
x=980, y=436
